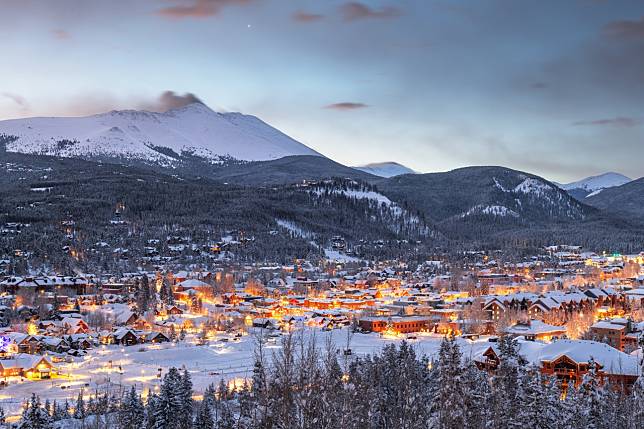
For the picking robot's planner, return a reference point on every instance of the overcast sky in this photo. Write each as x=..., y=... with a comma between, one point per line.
x=555, y=87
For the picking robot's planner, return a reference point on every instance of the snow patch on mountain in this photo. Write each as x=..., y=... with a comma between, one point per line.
x=385, y=169
x=499, y=185
x=595, y=183
x=529, y=194
x=494, y=210
x=397, y=217
x=295, y=230
x=532, y=186
x=369, y=195
x=593, y=193
x=193, y=129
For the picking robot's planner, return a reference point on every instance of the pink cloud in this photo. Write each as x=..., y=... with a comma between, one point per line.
x=346, y=105
x=306, y=17
x=197, y=8
x=60, y=34
x=626, y=28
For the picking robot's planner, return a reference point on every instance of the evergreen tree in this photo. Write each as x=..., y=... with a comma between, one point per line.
x=204, y=415
x=151, y=412
x=553, y=405
x=506, y=389
x=592, y=397
x=184, y=399
x=79, y=409
x=131, y=412
x=47, y=407
x=572, y=415
x=66, y=411
x=35, y=416
x=533, y=401
x=168, y=409
x=449, y=410
x=637, y=396
x=476, y=397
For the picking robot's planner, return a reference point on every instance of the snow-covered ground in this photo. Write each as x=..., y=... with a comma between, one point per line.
x=336, y=256
x=116, y=367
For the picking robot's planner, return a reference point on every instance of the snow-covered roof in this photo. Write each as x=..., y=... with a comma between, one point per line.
x=612, y=360
x=534, y=327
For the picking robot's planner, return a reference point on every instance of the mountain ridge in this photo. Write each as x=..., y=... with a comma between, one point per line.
x=592, y=185
x=626, y=200
x=190, y=131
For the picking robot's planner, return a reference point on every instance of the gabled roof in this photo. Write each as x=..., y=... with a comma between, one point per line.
x=24, y=361
x=612, y=360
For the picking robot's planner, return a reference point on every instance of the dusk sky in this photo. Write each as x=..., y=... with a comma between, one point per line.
x=555, y=88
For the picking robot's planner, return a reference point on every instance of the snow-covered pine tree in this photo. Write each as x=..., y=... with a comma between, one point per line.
x=90, y=408
x=506, y=388
x=637, y=395
x=333, y=398
x=533, y=400
x=204, y=419
x=226, y=417
x=79, y=408
x=259, y=388
x=553, y=404
x=131, y=413
x=282, y=389
x=35, y=416
x=592, y=397
x=151, y=410
x=65, y=412
x=572, y=415
x=450, y=408
x=168, y=408
x=617, y=406
x=47, y=407
x=184, y=400
x=476, y=397
x=245, y=400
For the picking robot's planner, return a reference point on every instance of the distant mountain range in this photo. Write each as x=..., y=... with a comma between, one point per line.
x=385, y=169
x=594, y=184
x=492, y=206
x=627, y=199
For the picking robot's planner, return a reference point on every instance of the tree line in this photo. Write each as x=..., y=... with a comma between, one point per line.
x=302, y=386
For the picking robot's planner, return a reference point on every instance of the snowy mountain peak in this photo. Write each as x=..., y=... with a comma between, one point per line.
x=162, y=138
x=597, y=183
x=385, y=169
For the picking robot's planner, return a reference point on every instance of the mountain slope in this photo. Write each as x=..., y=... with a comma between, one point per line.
x=44, y=192
x=385, y=169
x=290, y=169
x=485, y=192
x=191, y=131
x=499, y=208
x=627, y=199
x=594, y=184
